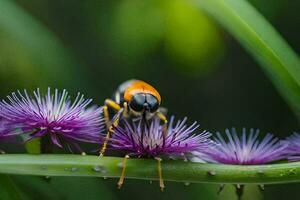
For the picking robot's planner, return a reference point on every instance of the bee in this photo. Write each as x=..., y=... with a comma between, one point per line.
x=136, y=99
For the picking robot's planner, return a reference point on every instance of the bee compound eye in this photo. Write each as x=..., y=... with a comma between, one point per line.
x=137, y=102
x=152, y=102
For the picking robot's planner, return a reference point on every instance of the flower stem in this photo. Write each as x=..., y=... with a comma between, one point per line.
x=76, y=165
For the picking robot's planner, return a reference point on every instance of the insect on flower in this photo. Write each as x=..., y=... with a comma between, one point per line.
x=246, y=150
x=53, y=116
x=135, y=99
x=143, y=141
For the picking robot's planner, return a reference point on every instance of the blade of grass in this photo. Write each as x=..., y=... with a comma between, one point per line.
x=93, y=166
x=262, y=41
x=43, y=47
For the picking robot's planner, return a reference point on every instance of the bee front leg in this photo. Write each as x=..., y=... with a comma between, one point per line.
x=111, y=125
x=108, y=103
x=110, y=131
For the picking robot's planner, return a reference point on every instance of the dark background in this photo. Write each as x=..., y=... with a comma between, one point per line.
x=199, y=69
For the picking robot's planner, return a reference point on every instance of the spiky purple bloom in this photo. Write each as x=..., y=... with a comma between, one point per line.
x=246, y=149
x=293, y=149
x=6, y=132
x=52, y=115
x=139, y=140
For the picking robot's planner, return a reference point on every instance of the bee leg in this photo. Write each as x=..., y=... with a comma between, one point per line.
x=108, y=103
x=122, y=177
x=110, y=131
x=126, y=110
x=163, y=118
x=106, y=116
x=161, y=181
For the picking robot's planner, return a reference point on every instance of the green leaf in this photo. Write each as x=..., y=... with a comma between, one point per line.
x=271, y=51
x=94, y=166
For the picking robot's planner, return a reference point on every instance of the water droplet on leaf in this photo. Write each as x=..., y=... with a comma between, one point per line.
x=99, y=168
x=74, y=169
x=120, y=165
x=212, y=173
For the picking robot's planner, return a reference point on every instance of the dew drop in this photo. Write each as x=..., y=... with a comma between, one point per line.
x=260, y=172
x=74, y=169
x=187, y=183
x=97, y=168
x=211, y=173
x=120, y=165
x=104, y=177
x=43, y=167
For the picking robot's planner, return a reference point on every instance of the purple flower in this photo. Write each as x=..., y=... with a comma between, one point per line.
x=140, y=140
x=247, y=149
x=6, y=132
x=52, y=115
x=293, y=149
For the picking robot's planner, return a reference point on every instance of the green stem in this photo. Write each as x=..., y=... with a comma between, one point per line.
x=77, y=165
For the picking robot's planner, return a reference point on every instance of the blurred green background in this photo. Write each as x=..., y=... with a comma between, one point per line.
x=199, y=69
